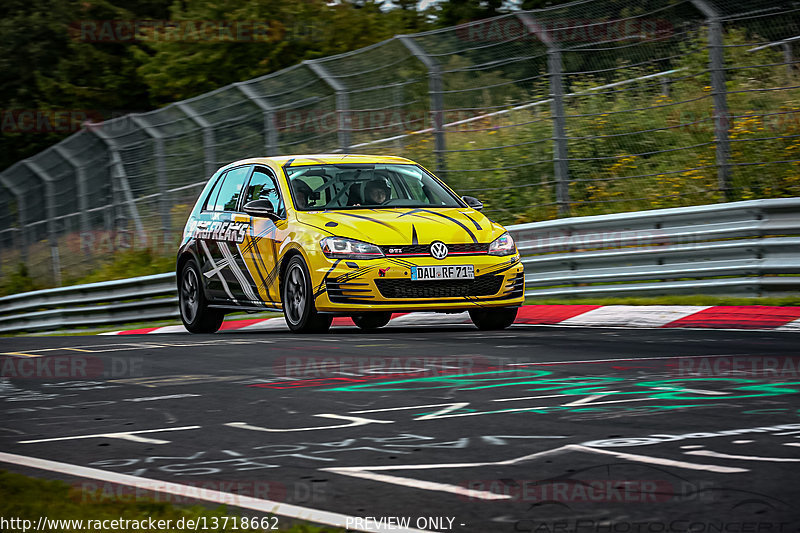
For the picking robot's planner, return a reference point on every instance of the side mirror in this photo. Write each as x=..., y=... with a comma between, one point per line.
x=260, y=208
x=473, y=202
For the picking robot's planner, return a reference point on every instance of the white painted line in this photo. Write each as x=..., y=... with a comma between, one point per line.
x=124, y=435
x=199, y=493
x=170, y=329
x=710, y=453
x=652, y=316
x=621, y=360
x=276, y=323
x=791, y=326
x=660, y=460
x=112, y=332
x=427, y=318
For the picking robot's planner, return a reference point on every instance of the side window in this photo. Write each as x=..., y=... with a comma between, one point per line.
x=231, y=189
x=212, y=197
x=264, y=187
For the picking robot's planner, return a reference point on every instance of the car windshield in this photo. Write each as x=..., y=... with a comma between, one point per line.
x=366, y=186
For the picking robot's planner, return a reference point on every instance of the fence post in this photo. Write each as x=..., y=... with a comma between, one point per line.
x=22, y=209
x=83, y=190
x=161, y=176
x=270, y=126
x=209, y=147
x=119, y=179
x=50, y=199
x=435, y=90
x=720, y=94
x=788, y=59
x=342, y=103
x=560, y=147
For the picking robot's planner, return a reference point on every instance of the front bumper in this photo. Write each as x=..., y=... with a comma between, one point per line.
x=385, y=285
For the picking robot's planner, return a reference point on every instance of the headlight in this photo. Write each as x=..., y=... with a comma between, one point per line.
x=340, y=248
x=503, y=245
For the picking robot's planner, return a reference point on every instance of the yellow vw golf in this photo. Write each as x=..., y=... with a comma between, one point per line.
x=319, y=236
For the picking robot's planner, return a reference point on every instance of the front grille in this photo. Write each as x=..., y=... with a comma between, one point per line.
x=449, y=288
x=425, y=249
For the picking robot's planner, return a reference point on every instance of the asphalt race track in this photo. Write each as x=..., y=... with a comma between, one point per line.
x=539, y=429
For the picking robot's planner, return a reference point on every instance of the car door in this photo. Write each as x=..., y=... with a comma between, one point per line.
x=260, y=248
x=224, y=228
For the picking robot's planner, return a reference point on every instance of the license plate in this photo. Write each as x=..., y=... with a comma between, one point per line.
x=423, y=273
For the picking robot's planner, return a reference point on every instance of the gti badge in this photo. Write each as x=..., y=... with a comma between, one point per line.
x=438, y=250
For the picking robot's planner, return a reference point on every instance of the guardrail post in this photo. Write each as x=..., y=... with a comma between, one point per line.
x=208, y=137
x=435, y=89
x=50, y=202
x=161, y=176
x=270, y=125
x=119, y=179
x=83, y=189
x=22, y=209
x=342, y=103
x=560, y=147
x=720, y=94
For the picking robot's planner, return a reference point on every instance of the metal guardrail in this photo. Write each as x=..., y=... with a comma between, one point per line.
x=747, y=248
x=108, y=302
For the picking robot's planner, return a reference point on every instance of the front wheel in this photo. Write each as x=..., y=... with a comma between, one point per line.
x=493, y=319
x=298, y=300
x=372, y=320
x=195, y=313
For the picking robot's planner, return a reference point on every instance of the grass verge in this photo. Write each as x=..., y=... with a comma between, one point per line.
x=29, y=498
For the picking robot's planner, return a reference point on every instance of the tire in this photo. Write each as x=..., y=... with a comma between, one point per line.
x=372, y=320
x=195, y=313
x=493, y=319
x=298, y=300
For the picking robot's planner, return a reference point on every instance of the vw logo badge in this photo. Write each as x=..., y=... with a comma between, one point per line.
x=438, y=250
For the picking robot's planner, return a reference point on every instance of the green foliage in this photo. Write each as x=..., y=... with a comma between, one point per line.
x=128, y=264
x=30, y=499
x=19, y=280
x=670, y=163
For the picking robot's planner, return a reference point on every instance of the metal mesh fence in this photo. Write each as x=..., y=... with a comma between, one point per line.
x=592, y=107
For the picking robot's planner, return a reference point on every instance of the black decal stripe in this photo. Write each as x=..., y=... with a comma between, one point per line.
x=321, y=287
x=329, y=232
x=414, y=239
x=400, y=262
x=382, y=223
x=477, y=226
x=416, y=213
x=472, y=235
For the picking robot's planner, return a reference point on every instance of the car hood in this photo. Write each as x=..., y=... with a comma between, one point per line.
x=403, y=226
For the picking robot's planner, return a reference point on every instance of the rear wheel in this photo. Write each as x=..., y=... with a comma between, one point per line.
x=372, y=320
x=298, y=300
x=492, y=319
x=195, y=313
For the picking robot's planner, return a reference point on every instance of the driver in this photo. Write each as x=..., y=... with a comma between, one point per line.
x=376, y=192
x=302, y=192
